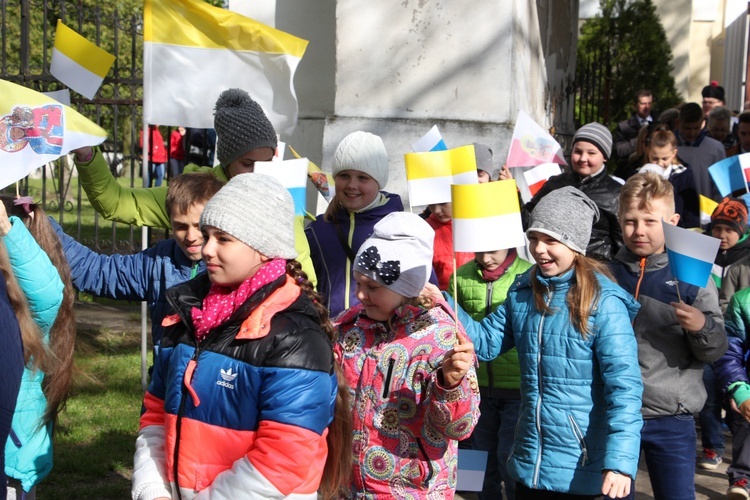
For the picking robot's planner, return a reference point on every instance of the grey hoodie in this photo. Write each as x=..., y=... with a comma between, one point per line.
x=671, y=359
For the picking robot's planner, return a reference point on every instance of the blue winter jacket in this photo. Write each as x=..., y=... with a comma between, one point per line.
x=145, y=275
x=580, y=397
x=28, y=451
x=332, y=268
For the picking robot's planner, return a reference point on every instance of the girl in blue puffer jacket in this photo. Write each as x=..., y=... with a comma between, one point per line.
x=579, y=425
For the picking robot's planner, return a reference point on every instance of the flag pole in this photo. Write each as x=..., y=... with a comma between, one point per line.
x=677, y=287
x=144, y=245
x=455, y=294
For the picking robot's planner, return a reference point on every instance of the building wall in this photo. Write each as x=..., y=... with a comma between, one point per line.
x=398, y=68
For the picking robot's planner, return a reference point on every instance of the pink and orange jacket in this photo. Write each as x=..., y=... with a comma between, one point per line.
x=406, y=423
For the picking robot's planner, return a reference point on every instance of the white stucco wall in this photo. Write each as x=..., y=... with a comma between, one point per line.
x=397, y=68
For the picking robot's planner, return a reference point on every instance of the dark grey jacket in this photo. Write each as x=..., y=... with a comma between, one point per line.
x=671, y=358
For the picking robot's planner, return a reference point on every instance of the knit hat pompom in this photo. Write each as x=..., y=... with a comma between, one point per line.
x=596, y=134
x=257, y=210
x=713, y=91
x=363, y=152
x=567, y=215
x=241, y=126
x=398, y=255
x=731, y=213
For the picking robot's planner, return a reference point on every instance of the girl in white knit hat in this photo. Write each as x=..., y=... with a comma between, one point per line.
x=410, y=367
x=360, y=169
x=243, y=393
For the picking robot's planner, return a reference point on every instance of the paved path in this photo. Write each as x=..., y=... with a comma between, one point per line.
x=709, y=485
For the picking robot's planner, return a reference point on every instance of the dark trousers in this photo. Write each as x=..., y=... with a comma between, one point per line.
x=740, y=468
x=524, y=493
x=668, y=444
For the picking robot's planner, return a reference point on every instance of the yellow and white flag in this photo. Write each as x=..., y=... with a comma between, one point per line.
x=36, y=129
x=193, y=51
x=707, y=206
x=78, y=63
x=486, y=217
x=429, y=175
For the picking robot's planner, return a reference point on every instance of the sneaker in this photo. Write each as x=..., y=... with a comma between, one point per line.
x=740, y=490
x=710, y=460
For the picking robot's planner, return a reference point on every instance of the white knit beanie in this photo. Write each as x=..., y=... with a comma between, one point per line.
x=257, y=210
x=363, y=152
x=398, y=255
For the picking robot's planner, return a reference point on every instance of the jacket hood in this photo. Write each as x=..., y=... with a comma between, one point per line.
x=608, y=288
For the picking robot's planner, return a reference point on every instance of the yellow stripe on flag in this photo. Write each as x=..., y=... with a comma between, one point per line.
x=199, y=24
x=707, y=205
x=475, y=201
x=83, y=52
x=445, y=163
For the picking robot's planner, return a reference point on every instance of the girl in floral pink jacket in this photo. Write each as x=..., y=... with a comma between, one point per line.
x=410, y=369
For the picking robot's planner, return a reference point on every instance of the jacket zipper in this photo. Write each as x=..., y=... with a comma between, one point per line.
x=642, y=265
x=538, y=410
x=487, y=311
x=430, y=471
x=349, y=264
x=579, y=436
x=180, y=413
x=389, y=374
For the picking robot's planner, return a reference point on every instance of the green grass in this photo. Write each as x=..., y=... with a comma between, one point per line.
x=95, y=437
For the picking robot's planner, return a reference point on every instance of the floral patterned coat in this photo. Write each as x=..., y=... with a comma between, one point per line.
x=406, y=423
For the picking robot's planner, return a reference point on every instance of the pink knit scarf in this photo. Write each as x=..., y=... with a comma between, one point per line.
x=221, y=302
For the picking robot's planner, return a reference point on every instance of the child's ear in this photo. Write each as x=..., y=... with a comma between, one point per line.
x=674, y=219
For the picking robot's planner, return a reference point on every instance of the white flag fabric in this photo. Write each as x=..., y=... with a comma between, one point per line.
x=193, y=51
x=35, y=129
x=78, y=63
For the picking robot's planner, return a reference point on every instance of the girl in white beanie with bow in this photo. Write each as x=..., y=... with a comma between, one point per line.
x=360, y=169
x=243, y=391
x=409, y=366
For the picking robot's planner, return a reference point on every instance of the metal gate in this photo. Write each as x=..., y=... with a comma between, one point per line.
x=27, y=29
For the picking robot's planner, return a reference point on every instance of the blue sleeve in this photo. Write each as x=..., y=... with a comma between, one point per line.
x=35, y=273
x=123, y=277
x=492, y=336
x=616, y=350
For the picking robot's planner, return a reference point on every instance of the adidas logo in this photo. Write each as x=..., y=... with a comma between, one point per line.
x=227, y=376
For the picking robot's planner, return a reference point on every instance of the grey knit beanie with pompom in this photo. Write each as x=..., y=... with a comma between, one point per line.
x=241, y=126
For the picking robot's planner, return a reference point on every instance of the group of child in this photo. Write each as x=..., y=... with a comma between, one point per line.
x=256, y=392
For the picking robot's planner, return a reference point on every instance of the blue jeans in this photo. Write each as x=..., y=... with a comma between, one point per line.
x=494, y=434
x=155, y=175
x=712, y=432
x=669, y=446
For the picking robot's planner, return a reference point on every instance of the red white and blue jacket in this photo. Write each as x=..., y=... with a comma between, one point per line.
x=243, y=412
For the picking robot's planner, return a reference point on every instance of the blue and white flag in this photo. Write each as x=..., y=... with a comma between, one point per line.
x=471, y=467
x=431, y=141
x=691, y=254
x=731, y=174
x=293, y=176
